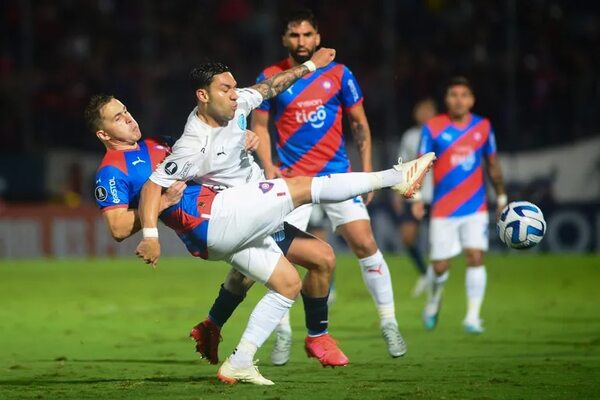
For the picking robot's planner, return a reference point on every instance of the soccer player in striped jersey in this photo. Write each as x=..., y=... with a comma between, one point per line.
x=465, y=145
x=310, y=141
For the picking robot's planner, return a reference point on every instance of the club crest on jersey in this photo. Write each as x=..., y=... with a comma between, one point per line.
x=170, y=168
x=100, y=193
x=242, y=122
x=265, y=186
x=326, y=85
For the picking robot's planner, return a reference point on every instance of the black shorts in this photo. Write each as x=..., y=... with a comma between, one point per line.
x=285, y=237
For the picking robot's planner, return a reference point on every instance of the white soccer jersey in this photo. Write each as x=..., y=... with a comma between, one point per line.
x=213, y=156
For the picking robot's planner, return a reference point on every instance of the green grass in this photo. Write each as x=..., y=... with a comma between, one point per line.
x=115, y=329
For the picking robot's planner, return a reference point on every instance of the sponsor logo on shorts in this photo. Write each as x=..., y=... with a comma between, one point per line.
x=100, y=193
x=265, y=186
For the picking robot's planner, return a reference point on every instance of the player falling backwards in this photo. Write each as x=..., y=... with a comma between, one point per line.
x=195, y=231
x=464, y=144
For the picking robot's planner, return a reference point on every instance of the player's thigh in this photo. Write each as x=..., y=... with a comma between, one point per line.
x=444, y=241
x=474, y=231
x=245, y=213
x=300, y=216
x=257, y=260
x=309, y=251
x=285, y=279
x=347, y=211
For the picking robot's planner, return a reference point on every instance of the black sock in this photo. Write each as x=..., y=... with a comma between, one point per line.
x=417, y=257
x=224, y=305
x=316, y=313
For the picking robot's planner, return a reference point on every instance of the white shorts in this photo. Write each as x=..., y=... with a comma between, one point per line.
x=242, y=218
x=449, y=236
x=338, y=213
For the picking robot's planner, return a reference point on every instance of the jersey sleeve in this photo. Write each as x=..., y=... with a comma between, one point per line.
x=112, y=188
x=266, y=104
x=489, y=148
x=351, y=92
x=180, y=165
x=426, y=144
x=248, y=99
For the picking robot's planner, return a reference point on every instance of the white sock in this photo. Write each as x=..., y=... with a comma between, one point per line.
x=436, y=289
x=377, y=277
x=475, y=282
x=263, y=320
x=339, y=187
x=284, y=324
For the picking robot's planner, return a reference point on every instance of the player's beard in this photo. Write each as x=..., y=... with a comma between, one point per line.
x=302, y=58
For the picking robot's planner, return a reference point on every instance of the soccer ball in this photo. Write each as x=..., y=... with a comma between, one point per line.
x=521, y=225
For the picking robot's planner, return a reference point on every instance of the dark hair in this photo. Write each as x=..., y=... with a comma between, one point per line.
x=459, y=81
x=203, y=75
x=91, y=114
x=297, y=16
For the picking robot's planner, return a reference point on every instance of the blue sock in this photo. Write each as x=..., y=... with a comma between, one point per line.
x=224, y=305
x=417, y=257
x=316, y=314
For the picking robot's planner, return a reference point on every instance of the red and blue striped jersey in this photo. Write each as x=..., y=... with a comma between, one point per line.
x=121, y=176
x=459, y=187
x=308, y=119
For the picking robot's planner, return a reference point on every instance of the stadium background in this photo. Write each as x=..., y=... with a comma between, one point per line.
x=534, y=66
x=75, y=327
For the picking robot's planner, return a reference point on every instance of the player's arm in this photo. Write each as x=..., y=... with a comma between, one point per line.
x=260, y=126
x=280, y=82
x=123, y=222
x=359, y=126
x=149, y=247
x=494, y=171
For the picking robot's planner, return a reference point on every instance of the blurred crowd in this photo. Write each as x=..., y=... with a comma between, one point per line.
x=535, y=65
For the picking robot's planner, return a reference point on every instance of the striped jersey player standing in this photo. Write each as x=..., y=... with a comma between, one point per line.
x=464, y=144
x=310, y=141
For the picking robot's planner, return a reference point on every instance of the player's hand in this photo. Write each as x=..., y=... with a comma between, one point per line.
x=323, y=57
x=418, y=210
x=272, y=172
x=149, y=251
x=174, y=193
x=251, y=141
x=368, y=198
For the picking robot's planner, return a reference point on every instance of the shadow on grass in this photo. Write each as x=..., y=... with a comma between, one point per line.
x=161, y=379
x=129, y=361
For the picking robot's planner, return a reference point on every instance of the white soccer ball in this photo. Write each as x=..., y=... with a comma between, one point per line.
x=521, y=225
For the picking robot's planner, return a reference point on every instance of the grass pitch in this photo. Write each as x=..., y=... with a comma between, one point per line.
x=115, y=329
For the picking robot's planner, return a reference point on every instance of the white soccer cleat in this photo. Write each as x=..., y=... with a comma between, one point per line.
x=282, y=349
x=474, y=327
x=230, y=375
x=414, y=171
x=394, y=340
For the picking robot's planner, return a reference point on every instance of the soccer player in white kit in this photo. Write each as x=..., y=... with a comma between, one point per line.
x=241, y=218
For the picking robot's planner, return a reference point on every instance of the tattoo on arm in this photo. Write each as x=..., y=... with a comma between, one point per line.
x=278, y=83
x=358, y=130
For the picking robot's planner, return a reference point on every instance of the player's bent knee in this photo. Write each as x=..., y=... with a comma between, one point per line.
x=474, y=258
x=441, y=266
x=364, y=247
x=237, y=283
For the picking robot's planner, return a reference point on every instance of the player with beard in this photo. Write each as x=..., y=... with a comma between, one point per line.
x=310, y=141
